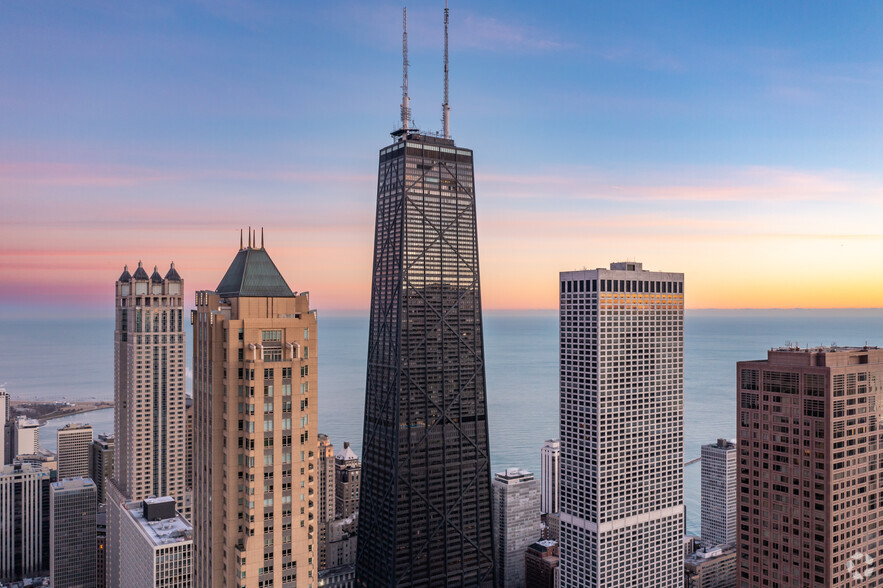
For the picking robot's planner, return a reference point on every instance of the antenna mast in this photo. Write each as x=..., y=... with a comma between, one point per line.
x=446, y=109
x=406, y=110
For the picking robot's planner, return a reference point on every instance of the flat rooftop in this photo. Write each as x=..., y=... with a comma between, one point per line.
x=163, y=532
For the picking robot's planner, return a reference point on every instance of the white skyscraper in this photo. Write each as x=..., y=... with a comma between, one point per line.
x=156, y=545
x=621, y=402
x=550, y=457
x=719, y=486
x=517, y=525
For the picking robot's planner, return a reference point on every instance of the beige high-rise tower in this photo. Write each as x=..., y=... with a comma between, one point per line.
x=74, y=449
x=149, y=447
x=254, y=431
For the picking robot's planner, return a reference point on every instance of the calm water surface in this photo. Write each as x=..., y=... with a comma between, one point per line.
x=521, y=351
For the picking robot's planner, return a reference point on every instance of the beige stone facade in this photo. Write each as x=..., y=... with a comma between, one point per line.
x=254, y=431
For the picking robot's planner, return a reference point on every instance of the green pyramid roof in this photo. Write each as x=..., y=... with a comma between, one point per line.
x=253, y=274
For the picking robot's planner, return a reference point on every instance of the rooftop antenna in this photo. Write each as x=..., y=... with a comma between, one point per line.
x=406, y=109
x=249, y=237
x=240, y=239
x=262, y=237
x=446, y=109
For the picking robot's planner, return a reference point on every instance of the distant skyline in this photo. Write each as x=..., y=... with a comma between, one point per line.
x=739, y=143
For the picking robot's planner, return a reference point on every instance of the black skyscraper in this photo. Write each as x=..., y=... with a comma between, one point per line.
x=425, y=511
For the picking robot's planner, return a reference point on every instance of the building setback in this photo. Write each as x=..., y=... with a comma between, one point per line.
x=516, y=523
x=255, y=441
x=809, y=456
x=102, y=464
x=719, y=489
x=621, y=406
x=149, y=429
x=73, y=531
x=157, y=545
x=74, y=455
x=550, y=458
x=23, y=512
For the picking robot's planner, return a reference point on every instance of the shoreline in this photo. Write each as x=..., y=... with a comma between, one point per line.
x=43, y=411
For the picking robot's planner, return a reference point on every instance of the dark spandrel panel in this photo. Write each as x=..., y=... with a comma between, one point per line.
x=425, y=512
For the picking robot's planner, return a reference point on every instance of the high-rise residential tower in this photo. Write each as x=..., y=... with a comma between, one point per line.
x=254, y=430
x=4, y=421
x=73, y=532
x=157, y=545
x=325, y=498
x=102, y=464
x=719, y=485
x=347, y=477
x=149, y=443
x=74, y=451
x=810, y=453
x=516, y=523
x=23, y=518
x=425, y=509
x=550, y=459
x=622, y=427
x=25, y=436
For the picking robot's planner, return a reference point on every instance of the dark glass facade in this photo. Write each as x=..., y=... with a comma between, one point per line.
x=425, y=511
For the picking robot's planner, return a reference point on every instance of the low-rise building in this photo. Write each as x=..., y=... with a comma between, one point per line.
x=712, y=568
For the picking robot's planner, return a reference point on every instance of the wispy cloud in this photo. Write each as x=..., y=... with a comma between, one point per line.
x=715, y=184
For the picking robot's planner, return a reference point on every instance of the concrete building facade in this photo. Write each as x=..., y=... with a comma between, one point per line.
x=23, y=512
x=157, y=545
x=550, y=458
x=622, y=427
x=102, y=464
x=810, y=456
x=25, y=437
x=517, y=523
x=73, y=533
x=712, y=568
x=255, y=440
x=74, y=451
x=719, y=489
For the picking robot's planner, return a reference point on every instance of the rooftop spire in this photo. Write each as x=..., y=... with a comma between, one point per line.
x=406, y=109
x=446, y=109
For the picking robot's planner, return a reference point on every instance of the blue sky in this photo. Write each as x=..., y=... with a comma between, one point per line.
x=718, y=139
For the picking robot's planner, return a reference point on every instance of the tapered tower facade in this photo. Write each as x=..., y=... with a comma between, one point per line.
x=425, y=510
x=254, y=430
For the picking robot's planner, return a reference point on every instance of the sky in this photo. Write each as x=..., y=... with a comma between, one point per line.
x=737, y=142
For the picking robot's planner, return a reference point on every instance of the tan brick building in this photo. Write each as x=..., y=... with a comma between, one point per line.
x=255, y=440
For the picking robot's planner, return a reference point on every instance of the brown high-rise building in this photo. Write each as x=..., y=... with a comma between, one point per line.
x=809, y=457
x=254, y=430
x=149, y=342
x=541, y=565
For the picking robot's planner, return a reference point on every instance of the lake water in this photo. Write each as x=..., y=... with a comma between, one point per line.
x=521, y=350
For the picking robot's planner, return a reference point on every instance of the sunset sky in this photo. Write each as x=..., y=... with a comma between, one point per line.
x=738, y=142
